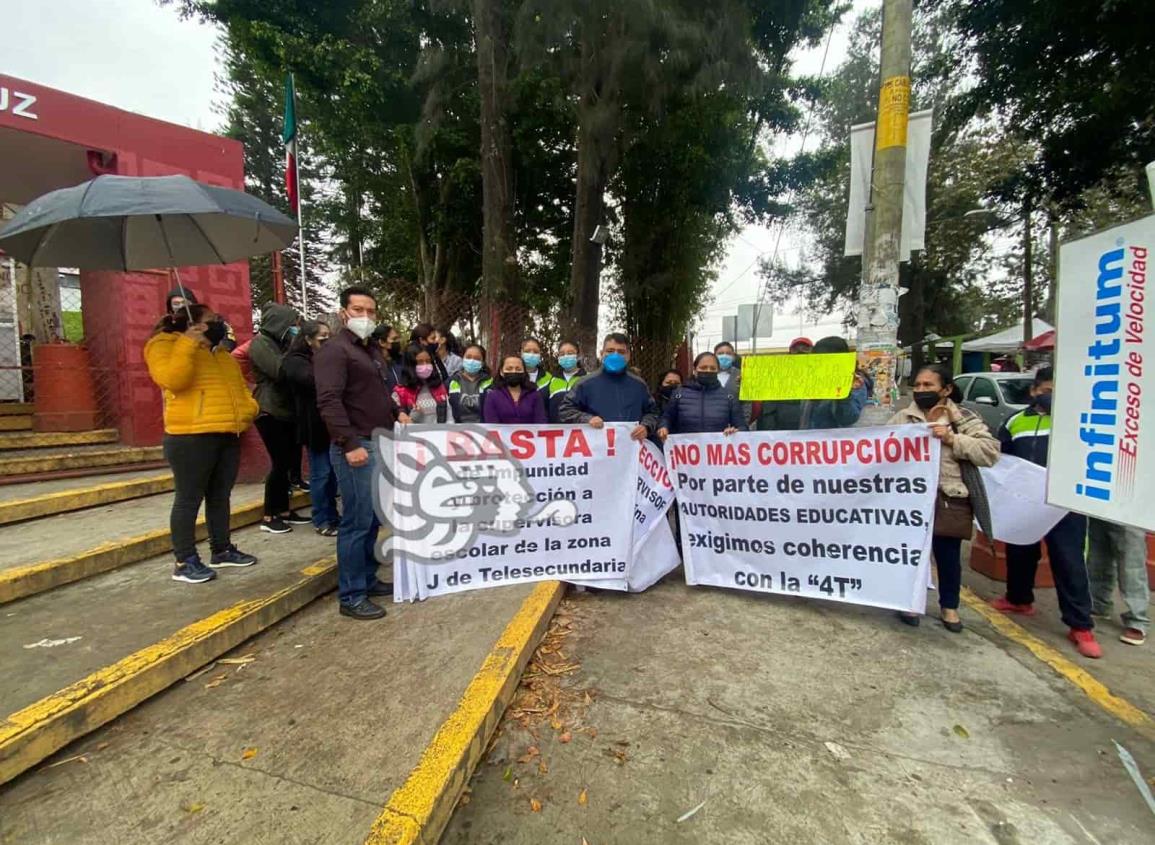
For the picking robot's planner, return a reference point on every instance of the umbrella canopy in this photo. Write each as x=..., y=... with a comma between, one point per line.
x=144, y=223
x=1044, y=341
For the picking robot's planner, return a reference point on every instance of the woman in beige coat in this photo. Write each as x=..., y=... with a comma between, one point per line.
x=964, y=437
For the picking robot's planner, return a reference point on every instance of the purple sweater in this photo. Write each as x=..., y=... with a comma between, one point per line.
x=499, y=407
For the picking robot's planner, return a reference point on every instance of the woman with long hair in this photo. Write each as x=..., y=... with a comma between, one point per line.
x=421, y=395
x=206, y=407
x=514, y=399
x=467, y=388
x=965, y=438
x=311, y=430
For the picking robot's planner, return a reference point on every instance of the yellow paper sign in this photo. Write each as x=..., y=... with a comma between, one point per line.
x=893, y=112
x=768, y=377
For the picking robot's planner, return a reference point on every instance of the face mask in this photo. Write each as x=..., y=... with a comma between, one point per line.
x=1043, y=402
x=725, y=361
x=395, y=350
x=926, y=399
x=614, y=362
x=531, y=359
x=431, y=348
x=471, y=366
x=706, y=379
x=424, y=370
x=361, y=326
x=216, y=331
x=514, y=379
x=294, y=331
x=567, y=362
x=668, y=390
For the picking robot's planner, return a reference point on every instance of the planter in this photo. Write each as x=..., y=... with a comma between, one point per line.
x=994, y=565
x=65, y=396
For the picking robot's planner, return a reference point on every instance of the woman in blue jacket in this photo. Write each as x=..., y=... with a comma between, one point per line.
x=702, y=404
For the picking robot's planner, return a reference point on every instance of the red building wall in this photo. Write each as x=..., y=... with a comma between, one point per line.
x=120, y=309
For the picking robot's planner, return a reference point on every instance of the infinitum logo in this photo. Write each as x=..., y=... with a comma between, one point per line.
x=1109, y=429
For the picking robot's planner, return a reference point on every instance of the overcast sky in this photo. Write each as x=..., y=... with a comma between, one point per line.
x=138, y=56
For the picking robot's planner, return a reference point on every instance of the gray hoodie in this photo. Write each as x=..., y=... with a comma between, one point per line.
x=267, y=351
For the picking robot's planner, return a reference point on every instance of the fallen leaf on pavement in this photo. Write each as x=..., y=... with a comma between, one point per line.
x=216, y=681
x=192, y=808
x=565, y=737
x=837, y=750
x=530, y=753
x=961, y=731
x=542, y=768
x=583, y=798
x=556, y=724
x=244, y=660
x=689, y=813
x=507, y=775
x=79, y=758
x=535, y=805
x=248, y=754
x=102, y=746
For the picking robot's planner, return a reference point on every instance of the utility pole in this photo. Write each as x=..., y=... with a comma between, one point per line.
x=878, y=294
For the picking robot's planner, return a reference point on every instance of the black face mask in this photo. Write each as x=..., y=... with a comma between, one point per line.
x=706, y=379
x=216, y=332
x=514, y=379
x=926, y=399
x=431, y=348
x=668, y=390
x=395, y=350
x=1044, y=401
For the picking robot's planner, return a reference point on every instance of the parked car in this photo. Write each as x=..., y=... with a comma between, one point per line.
x=995, y=396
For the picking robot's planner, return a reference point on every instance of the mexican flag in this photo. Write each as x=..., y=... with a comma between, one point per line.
x=289, y=136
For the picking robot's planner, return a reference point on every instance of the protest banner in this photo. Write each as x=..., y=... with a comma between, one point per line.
x=470, y=507
x=1101, y=464
x=842, y=514
x=654, y=551
x=1016, y=490
x=776, y=377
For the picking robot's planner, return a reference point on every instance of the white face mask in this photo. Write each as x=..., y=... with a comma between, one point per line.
x=361, y=326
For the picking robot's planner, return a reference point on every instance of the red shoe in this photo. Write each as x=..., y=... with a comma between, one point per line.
x=1085, y=642
x=1002, y=605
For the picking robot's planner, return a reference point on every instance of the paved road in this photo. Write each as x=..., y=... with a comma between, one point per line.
x=805, y=722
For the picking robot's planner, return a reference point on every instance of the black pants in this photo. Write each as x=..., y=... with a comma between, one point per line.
x=1066, y=543
x=948, y=561
x=280, y=438
x=204, y=467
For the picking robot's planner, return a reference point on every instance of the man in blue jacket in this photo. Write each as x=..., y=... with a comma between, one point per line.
x=1027, y=435
x=612, y=393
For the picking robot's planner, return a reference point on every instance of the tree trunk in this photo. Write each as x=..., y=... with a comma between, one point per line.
x=1028, y=280
x=589, y=206
x=500, y=279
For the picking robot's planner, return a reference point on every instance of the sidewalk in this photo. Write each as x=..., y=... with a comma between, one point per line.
x=304, y=743
x=790, y=721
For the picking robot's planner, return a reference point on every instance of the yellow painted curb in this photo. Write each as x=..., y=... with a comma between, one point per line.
x=15, y=423
x=65, y=501
x=30, y=735
x=28, y=464
x=420, y=809
x=1117, y=706
x=15, y=408
x=48, y=439
x=23, y=581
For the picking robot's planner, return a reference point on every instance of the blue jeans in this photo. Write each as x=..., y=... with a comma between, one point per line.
x=356, y=562
x=322, y=489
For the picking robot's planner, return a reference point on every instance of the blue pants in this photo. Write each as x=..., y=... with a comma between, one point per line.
x=356, y=562
x=1065, y=545
x=322, y=489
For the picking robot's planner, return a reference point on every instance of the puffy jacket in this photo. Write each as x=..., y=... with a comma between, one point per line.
x=204, y=391
x=615, y=397
x=696, y=408
x=311, y=430
x=266, y=353
x=973, y=442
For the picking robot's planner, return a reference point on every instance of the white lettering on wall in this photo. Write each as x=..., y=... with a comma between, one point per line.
x=21, y=104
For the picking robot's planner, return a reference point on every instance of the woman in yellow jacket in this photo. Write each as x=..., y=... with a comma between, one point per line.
x=206, y=407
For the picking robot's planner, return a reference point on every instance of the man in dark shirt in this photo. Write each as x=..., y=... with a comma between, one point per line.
x=353, y=400
x=612, y=393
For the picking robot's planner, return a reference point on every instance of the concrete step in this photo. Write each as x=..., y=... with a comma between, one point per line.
x=56, y=459
x=88, y=652
x=48, y=439
x=36, y=499
x=18, y=422
x=9, y=409
x=67, y=547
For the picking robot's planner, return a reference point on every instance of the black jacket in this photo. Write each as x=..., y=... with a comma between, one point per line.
x=695, y=409
x=311, y=431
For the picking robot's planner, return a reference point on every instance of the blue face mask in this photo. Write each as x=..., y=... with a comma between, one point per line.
x=614, y=362
x=471, y=366
x=531, y=360
x=725, y=361
x=294, y=331
x=567, y=362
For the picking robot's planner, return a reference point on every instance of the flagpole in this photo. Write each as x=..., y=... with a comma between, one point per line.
x=300, y=208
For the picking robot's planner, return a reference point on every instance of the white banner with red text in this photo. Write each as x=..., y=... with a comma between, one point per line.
x=843, y=515
x=470, y=507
